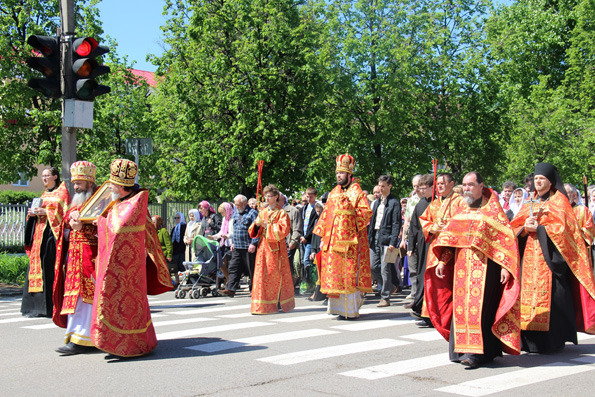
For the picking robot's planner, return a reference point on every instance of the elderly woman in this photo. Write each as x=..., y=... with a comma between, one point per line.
x=211, y=222
x=273, y=285
x=192, y=230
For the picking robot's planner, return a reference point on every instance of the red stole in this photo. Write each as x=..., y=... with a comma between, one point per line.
x=478, y=235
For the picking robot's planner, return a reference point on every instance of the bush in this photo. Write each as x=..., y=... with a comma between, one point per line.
x=13, y=268
x=17, y=197
x=12, y=249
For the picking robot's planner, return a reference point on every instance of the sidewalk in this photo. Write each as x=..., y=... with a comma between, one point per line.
x=7, y=290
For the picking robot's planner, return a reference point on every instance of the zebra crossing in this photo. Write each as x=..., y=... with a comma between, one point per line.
x=309, y=336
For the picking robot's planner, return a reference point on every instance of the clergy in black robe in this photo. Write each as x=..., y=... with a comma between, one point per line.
x=557, y=279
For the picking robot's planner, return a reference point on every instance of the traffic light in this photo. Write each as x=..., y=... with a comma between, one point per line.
x=86, y=68
x=48, y=64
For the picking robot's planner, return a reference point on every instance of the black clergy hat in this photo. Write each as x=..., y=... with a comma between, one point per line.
x=551, y=173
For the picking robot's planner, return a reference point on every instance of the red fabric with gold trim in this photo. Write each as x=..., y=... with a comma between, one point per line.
x=56, y=204
x=122, y=323
x=557, y=216
x=345, y=258
x=477, y=235
x=584, y=216
x=272, y=283
x=76, y=275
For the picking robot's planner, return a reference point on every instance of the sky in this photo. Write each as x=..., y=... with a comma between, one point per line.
x=135, y=26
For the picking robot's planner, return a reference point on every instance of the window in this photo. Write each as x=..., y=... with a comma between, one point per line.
x=22, y=181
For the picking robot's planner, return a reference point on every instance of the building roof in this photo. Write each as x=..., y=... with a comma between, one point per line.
x=148, y=76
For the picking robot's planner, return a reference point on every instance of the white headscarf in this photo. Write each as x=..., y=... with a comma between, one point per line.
x=175, y=236
x=196, y=217
x=514, y=207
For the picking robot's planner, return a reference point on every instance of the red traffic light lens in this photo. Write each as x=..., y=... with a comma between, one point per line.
x=86, y=47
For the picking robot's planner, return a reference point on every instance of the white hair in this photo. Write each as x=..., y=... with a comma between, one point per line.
x=241, y=198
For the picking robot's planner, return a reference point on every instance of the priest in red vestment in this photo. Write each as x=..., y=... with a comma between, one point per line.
x=272, y=285
x=472, y=281
x=447, y=204
x=130, y=264
x=74, y=287
x=558, y=290
x=43, y=244
x=345, y=253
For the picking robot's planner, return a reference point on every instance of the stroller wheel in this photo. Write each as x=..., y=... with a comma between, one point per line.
x=182, y=294
x=215, y=293
x=205, y=291
x=177, y=294
x=190, y=295
x=196, y=294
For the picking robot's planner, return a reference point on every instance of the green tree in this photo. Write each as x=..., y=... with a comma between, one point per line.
x=240, y=83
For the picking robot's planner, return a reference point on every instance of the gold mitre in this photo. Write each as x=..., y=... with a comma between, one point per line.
x=123, y=172
x=345, y=163
x=82, y=171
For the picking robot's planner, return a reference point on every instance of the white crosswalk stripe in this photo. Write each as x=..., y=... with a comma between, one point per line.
x=260, y=340
x=522, y=377
x=333, y=351
x=400, y=367
x=209, y=330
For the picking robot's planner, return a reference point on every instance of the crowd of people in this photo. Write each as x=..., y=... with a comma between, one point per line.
x=493, y=273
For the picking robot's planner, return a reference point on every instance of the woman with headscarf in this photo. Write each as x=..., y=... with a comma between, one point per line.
x=179, y=247
x=224, y=237
x=164, y=237
x=519, y=196
x=211, y=223
x=192, y=230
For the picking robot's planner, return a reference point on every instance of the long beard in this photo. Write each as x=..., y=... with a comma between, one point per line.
x=81, y=198
x=115, y=196
x=468, y=198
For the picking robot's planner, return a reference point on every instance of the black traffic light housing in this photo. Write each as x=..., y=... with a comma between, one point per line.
x=85, y=68
x=48, y=64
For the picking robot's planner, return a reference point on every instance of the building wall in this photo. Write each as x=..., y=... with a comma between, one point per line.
x=35, y=184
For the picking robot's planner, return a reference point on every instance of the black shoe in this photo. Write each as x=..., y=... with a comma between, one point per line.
x=471, y=362
x=415, y=315
x=422, y=323
x=227, y=292
x=70, y=349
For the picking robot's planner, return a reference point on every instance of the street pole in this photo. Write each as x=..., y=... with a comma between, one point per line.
x=68, y=133
x=137, y=160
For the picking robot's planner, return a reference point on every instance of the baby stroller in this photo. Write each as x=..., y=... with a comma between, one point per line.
x=200, y=276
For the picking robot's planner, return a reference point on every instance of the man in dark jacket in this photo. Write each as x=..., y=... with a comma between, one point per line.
x=417, y=247
x=383, y=236
x=308, y=218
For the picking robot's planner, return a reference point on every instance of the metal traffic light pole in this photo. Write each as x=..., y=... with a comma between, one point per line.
x=68, y=133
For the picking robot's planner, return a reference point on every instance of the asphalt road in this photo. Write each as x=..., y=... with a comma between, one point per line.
x=214, y=346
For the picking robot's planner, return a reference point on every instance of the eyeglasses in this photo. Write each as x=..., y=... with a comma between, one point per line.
x=176, y=217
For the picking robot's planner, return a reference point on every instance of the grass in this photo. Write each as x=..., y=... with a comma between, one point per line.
x=13, y=268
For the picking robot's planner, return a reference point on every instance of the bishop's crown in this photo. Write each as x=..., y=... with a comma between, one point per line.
x=345, y=163
x=82, y=171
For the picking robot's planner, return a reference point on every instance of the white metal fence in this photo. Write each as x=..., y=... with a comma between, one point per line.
x=12, y=224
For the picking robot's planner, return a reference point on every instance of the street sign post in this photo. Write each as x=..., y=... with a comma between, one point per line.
x=138, y=146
